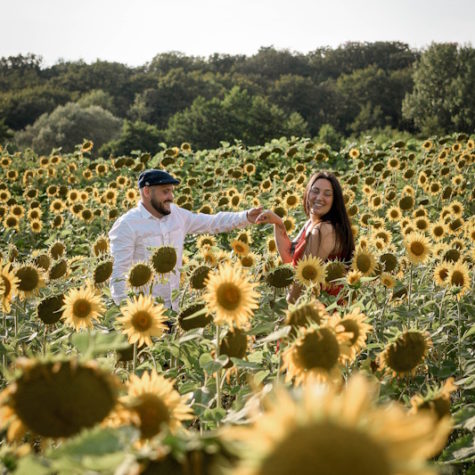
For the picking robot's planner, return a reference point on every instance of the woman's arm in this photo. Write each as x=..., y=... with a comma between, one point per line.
x=282, y=240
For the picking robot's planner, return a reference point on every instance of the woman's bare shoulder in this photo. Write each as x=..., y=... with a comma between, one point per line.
x=325, y=228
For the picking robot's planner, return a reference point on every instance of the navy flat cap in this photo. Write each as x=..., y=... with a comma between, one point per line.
x=156, y=177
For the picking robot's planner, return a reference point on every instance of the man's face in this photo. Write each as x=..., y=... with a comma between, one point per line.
x=161, y=196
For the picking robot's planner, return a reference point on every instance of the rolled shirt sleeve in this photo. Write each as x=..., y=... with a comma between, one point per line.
x=198, y=223
x=122, y=243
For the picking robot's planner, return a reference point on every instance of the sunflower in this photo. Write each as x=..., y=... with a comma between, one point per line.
x=11, y=222
x=234, y=345
x=438, y=230
x=310, y=271
x=353, y=277
x=87, y=146
x=459, y=276
x=9, y=286
x=388, y=280
x=406, y=352
x=316, y=354
x=58, y=269
x=53, y=398
x=155, y=403
x=281, y=276
x=249, y=260
x=354, y=153
x=271, y=244
x=57, y=249
x=355, y=323
x=81, y=307
x=206, y=240
x=240, y=247
x=199, y=276
x=30, y=280
x=441, y=272
x=230, y=294
x=49, y=310
x=101, y=245
x=329, y=431
x=140, y=275
x=364, y=261
x=102, y=272
x=418, y=247
x=163, y=259
x=194, y=316
x=394, y=214
x=305, y=314
x=141, y=319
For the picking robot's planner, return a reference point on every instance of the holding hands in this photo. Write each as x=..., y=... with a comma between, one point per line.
x=268, y=217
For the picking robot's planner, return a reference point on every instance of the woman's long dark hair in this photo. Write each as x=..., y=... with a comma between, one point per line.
x=337, y=215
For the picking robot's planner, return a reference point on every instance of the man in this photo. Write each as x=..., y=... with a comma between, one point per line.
x=155, y=222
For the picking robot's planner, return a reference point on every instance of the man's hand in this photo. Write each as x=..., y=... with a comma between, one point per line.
x=253, y=213
x=268, y=217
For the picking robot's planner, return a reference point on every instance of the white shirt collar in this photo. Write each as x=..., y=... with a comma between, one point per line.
x=147, y=215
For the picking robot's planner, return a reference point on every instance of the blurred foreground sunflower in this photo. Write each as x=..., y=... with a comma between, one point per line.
x=339, y=433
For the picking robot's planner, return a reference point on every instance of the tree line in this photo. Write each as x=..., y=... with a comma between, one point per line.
x=329, y=92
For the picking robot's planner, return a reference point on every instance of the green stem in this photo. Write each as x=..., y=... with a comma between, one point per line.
x=459, y=335
x=409, y=294
x=218, y=373
x=134, y=358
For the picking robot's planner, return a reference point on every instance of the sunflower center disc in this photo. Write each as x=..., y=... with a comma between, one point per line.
x=28, y=279
x=318, y=350
x=81, y=308
x=229, y=296
x=363, y=263
x=142, y=321
x=407, y=352
x=457, y=279
x=153, y=412
x=327, y=449
x=351, y=327
x=309, y=273
x=139, y=275
x=417, y=248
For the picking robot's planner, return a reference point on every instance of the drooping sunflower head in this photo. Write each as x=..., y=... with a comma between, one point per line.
x=30, y=280
x=156, y=404
x=53, y=398
x=231, y=296
x=194, y=316
x=304, y=314
x=335, y=270
x=101, y=245
x=315, y=355
x=50, y=309
x=164, y=259
x=310, y=271
x=199, y=276
x=140, y=275
x=58, y=269
x=459, y=277
x=406, y=352
x=206, y=240
x=81, y=307
x=234, y=345
x=57, y=249
x=102, y=272
x=281, y=276
x=364, y=261
x=356, y=324
x=141, y=319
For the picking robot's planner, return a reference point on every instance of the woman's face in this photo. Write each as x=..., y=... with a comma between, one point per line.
x=320, y=197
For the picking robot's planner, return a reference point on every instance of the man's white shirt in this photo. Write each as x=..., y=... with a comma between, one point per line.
x=134, y=235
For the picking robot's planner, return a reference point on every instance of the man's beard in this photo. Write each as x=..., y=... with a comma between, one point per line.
x=158, y=206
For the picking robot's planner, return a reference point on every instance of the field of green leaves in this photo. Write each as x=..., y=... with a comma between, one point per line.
x=379, y=379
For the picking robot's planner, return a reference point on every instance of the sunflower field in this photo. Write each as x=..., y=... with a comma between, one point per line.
x=377, y=378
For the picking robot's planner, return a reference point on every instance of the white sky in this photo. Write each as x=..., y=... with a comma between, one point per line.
x=134, y=31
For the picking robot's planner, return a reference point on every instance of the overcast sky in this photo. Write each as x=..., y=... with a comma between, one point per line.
x=134, y=31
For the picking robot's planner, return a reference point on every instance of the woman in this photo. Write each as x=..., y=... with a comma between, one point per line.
x=327, y=233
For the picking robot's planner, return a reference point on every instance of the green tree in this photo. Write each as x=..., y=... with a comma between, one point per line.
x=20, y=108
x=133, y=136
x=443, y=98
x=68, y=126
x=97, y=97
